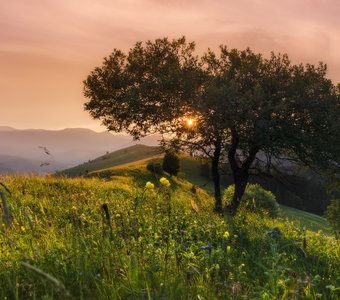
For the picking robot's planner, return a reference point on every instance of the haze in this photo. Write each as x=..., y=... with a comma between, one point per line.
x=47, y=48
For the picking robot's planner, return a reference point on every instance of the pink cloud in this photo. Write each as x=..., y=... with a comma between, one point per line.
x=48, y=47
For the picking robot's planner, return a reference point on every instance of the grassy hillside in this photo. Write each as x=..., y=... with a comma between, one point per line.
x=306, y=220
x=123, y=156
x=191, y=170
x=141, y=155
x=161, y=243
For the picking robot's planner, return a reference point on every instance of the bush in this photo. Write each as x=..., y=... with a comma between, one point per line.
x=171, y=163
x=333, y=216
x=155, y=168
x=255, y=199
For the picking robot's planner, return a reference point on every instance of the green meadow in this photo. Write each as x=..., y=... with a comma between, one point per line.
x=117, y=238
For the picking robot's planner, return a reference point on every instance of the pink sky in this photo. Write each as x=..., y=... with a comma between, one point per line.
x=47, y=48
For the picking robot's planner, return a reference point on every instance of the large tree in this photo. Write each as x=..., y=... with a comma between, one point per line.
x=271, y=109
x=242, y=106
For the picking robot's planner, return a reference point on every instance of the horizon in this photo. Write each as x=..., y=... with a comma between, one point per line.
x=98, y=129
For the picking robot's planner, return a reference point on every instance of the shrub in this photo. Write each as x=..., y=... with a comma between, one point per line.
x=333, y=216
x=155, y=168
x=171, y=163
x=255, y=199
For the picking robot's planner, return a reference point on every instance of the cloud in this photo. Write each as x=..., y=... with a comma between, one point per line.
x=48, y=47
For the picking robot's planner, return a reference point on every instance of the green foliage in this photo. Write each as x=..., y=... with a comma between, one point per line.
x=255, y=199
x=171, y=163
x=152, y=244
x=333, y=215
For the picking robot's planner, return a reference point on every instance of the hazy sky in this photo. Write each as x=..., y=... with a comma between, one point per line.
x=48, y=47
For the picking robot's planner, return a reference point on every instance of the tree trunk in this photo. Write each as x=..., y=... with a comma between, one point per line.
x=216, y=177
x=240, y=171
x=240, y=182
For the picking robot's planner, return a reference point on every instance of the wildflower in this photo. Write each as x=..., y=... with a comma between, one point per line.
x=275, y=233
x=165, y=182
x=207, y=247
x=226, y=235
x=23, y=229
x=149, y=186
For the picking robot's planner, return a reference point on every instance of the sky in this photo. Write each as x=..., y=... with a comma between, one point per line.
x=48, y=47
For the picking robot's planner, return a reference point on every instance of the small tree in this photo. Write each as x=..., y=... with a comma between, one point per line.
x=171, y=163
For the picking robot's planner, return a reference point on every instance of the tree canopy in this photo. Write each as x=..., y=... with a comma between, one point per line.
x=236, y=105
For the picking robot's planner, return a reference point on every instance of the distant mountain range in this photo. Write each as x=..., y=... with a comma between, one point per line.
x=41, y=151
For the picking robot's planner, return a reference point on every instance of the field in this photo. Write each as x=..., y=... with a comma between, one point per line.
x=112, y=238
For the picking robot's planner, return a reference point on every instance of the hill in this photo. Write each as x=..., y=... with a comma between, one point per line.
x=15, y=164
x=299, y=192
x=93, y=238
x=6, y=128
x=191, y=172
x=141, y=155
x=119, y=157
x=67, y=147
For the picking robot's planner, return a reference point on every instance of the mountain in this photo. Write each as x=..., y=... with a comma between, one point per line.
x=15, y=164
x=6, y=128
x=56, y=149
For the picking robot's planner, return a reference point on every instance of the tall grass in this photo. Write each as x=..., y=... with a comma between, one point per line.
x=95, y=239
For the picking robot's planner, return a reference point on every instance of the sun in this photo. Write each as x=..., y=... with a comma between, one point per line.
x=190, y=122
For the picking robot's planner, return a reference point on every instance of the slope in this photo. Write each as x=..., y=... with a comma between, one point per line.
x=97, y=239
x=119, y=157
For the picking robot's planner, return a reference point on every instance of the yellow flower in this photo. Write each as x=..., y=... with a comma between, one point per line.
x=226, y=235
x=149, y=186
x=165, y=182
x=23, y=229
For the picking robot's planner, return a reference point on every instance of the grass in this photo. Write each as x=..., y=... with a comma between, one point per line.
x=119, y=157
x=164, y=243
x=190, y=171
x=305, y=219
x=128, y=158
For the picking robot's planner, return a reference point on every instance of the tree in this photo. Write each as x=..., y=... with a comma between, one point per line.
x=235, y=106
x=171, y=163
x=271, y=107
